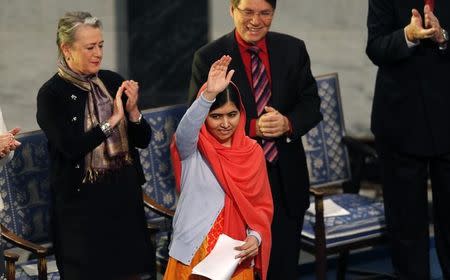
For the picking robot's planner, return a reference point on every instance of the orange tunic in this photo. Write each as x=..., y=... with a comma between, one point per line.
x=178, y=271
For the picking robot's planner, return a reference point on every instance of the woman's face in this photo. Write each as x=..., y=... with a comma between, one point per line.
x=85, y=54
x=222, y=122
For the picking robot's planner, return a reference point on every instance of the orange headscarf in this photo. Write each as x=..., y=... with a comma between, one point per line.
x=242, y=174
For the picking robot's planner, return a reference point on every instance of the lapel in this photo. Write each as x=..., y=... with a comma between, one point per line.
x=276, y=68
x=240, y=77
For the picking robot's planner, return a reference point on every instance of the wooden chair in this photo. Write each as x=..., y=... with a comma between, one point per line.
x=331, y=179
x=24, y=185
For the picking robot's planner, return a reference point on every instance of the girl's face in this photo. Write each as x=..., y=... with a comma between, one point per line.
x=222, y=122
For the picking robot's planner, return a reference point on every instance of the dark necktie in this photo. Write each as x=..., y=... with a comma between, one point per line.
x=262, y=92
x=430, y=3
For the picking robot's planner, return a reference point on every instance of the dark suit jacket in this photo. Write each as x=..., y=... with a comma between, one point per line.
x=60, y=114
x=294, y=94
x=411, y=106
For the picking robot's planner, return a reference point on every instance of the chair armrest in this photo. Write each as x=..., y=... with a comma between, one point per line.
x=40, y=251
x=157, y=208
x=18, y=241
x=359, y=146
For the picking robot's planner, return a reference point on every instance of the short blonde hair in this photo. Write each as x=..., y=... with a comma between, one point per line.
x=69, y=24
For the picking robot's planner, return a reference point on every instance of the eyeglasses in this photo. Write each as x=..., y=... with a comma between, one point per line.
x=249, y=14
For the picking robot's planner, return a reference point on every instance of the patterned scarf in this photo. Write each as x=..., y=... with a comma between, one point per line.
x=111, y=154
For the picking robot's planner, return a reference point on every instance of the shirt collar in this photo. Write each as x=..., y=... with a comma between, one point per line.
x=243, y=44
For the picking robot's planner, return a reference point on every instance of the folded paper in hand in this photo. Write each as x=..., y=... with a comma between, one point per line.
x=330, y=209
x=221, y=263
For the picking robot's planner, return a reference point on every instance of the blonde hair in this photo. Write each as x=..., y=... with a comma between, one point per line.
x=69, y=24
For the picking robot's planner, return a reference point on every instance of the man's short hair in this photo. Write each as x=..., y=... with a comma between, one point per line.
x=272, y=3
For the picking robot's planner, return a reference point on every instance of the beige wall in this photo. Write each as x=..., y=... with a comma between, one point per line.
x=28, y=50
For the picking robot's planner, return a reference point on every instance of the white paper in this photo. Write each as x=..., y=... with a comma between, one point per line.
x=32, y=269
x=221, y=263
x=330, y=209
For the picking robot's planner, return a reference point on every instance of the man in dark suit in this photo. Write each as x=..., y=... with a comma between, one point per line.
x=291, y=108
x=410, y=120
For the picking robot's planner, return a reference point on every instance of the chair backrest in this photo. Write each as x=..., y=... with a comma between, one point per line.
x=25, y=189
x=327, y=157
x=155, y=159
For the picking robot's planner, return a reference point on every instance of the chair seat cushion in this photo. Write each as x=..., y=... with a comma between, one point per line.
x=21, y=274
x=366, y=220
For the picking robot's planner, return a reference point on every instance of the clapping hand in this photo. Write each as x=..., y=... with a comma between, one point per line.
x=218, y=78
x=118, y=112
x=432, y=22
x=8, y=142
x=416, y=30
x=131, y=90
x=272, y=124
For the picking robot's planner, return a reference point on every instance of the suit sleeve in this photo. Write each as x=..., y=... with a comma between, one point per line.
x=199, y=76
x=386, y=42
x=306, y=113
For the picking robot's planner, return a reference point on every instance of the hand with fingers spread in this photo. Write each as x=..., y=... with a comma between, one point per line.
x=416, y=31
x=272, y=124
x=249, y=249
x=218, y=78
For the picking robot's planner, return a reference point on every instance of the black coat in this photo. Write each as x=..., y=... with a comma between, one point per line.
x=411, y=106
x=89, y=219
x=60, y=115
x=294, y=94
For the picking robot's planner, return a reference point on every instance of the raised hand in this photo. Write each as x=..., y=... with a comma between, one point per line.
x=218, y=78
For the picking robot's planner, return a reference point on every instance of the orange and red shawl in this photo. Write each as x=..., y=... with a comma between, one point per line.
x=241, y=171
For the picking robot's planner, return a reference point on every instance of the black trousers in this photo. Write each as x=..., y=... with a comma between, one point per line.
x=406, y=208
x=286, y=231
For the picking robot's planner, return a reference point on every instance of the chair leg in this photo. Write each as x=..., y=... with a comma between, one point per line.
x=11, y=259
x=10, y=271
x=342, y=265
x=321, y=263
x=42, y=268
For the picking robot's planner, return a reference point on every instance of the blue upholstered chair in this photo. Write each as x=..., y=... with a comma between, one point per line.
x=24, y=187
x=326, y=147
x=159, y=190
